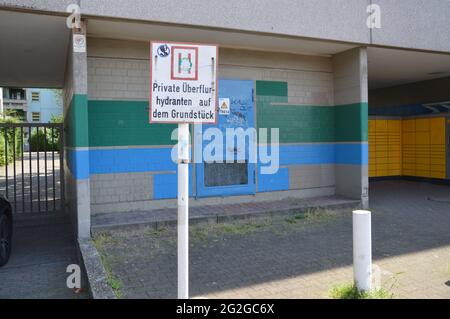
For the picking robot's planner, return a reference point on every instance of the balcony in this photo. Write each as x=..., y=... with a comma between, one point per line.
x=15, y=104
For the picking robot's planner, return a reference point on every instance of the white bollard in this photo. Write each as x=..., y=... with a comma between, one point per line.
x=362, y=249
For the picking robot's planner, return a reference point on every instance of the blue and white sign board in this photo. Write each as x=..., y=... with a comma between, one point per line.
x=183, y=80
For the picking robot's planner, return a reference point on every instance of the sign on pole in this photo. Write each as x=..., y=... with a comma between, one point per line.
x=183, y=80
x=183, y=83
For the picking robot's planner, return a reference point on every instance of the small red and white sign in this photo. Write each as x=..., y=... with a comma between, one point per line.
x=183, y=83
x=79, y=43
x=184, y=63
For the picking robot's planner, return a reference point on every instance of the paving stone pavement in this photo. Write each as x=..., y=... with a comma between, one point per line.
x=42, y=249
x=295, y=257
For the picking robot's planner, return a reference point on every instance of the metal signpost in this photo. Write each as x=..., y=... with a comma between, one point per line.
x=183, y=90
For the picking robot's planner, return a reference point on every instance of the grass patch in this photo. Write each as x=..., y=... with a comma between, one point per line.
x=352, y=292
x=311, y=215
x=204, y=233
x=240, y=229
x=103, y=239
x=100, y=241
x=316, y=214
x=113, y=281
x=156, y=232
x=296, y=218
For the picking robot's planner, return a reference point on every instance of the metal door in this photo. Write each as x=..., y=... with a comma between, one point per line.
x=223, y=178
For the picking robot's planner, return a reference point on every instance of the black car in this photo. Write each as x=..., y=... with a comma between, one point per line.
x=6, y=230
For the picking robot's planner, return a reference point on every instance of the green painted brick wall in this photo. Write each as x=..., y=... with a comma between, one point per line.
x=310, y=123
x=352, y=122
x=76, y=132
x=297, y=124
x=125, y=123
x=271, y=88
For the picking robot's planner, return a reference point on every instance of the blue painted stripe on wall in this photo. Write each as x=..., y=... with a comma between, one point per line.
x=165, y=185
x=354, y=154
x=274, y=182
x=137, y=160
x=131, y=160
x=78, y=163
x=307, y=154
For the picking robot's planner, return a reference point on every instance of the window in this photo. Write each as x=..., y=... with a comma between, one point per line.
x=17, y=94
x=36, y=116
x=226, y=174
x=35, y=96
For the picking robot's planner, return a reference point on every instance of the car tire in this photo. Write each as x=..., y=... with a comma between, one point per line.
x=5, y=238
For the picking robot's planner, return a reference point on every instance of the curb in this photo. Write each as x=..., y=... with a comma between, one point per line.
x=96, y=274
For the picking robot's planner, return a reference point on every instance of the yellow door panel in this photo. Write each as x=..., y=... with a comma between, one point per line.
x=382, y=148
x=437, y=124
x=409, y=161
x=396, y=172
x=422, y=167
x=423, y=138
x=420, y=173
x=408, y=166
x=394, y=126
x=437, y=161
x=382, y=172
x=395, y=155
x=409, y=125
x=394, y=166
x=440, y=175
x=423, y=160
x=422, y=125
x=409, y=138
x=408, y=172
x=381, y=125
x=372, y=126
x=382, y=166
x=438, y=168
x=394, y=147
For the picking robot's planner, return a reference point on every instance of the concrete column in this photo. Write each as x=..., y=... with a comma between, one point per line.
x=351, y=124
x=77, y=139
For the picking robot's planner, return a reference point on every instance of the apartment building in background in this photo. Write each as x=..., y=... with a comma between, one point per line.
x=33, y=105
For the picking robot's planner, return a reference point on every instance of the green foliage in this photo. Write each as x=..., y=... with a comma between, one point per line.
x=352, y=292
x=57, y=119
x=100, y=242
x=45, y=140
x=15, y=115
x=14, y=139
x=103, y=239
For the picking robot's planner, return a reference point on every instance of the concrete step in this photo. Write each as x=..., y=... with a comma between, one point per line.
x=167, y=217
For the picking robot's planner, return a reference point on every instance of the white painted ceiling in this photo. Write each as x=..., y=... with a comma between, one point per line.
x=389, y=67
x=33, y=49
x=230, y=39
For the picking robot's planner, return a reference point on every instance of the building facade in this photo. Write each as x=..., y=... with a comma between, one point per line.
x=44, y=105
x=34, y=105
x=290, y=65
x=15, y=99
